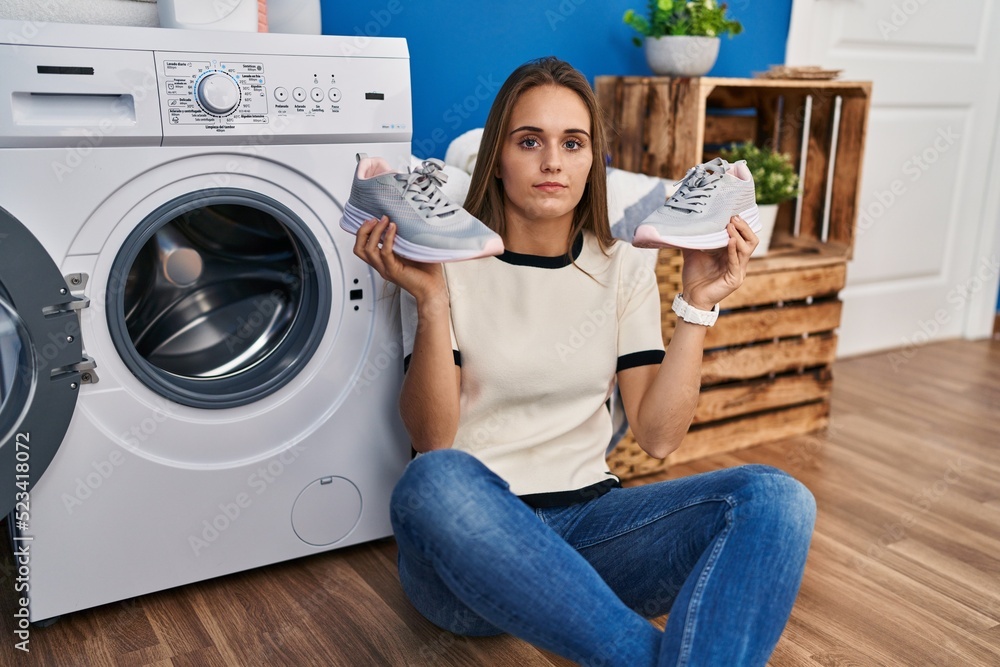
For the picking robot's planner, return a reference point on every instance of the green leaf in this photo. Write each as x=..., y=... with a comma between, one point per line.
x=774, y=176
x=695, y=17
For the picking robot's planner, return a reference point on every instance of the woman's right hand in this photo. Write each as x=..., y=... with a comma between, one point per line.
x=419, y=279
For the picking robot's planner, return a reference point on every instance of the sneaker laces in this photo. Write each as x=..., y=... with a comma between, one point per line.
x=422, y=187
x=696, y=184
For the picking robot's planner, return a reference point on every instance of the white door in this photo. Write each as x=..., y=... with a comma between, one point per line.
x=927, y=250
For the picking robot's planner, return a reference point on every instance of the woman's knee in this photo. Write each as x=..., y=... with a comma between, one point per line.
x=436, y=485
x=770, y=490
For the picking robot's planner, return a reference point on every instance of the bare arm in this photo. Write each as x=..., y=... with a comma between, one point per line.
x=660, y=401
x=429, y=400
x=669, y=392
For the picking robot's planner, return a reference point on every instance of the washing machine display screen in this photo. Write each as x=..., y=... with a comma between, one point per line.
x=16, y=369
x=221, y=299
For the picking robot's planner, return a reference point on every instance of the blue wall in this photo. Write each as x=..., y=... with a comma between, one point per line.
x=461, y=52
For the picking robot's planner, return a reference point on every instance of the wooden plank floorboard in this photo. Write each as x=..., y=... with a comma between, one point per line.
x=934, y=642
x=204, y=657
x=904, y=568
x=176, y=624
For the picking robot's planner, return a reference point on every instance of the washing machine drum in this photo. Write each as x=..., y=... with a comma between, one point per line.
x=218, y=298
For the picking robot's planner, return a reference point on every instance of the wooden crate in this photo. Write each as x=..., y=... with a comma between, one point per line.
x=766, y=373
x=664, y=126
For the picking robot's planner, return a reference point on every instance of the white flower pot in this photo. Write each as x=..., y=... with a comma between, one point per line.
x=681, y=56
x=768, y=214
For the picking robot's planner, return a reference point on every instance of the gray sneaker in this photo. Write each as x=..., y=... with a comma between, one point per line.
x=429, y=226
x=697, y=214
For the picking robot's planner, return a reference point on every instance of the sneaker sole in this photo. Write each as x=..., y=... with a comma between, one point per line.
x=354, y=217
x=647, y=236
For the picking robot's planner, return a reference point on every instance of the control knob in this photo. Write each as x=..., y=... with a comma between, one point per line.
x=217, y=93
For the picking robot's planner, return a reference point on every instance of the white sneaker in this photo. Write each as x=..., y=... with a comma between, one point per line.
x=697, y=214
x=429, y=226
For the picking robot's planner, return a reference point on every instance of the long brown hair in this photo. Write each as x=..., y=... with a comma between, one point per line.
x=486, y=197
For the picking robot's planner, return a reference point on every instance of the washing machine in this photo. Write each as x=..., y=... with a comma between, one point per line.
x=197, y=375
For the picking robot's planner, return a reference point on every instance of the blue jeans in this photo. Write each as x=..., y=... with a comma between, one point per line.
x=722, y=551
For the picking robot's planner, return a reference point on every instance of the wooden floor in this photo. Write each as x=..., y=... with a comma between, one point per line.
x=904, y=567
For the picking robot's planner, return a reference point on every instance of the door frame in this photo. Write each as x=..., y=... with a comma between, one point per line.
x=983, y=303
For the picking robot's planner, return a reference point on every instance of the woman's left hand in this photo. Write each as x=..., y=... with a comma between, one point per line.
x=711, y=276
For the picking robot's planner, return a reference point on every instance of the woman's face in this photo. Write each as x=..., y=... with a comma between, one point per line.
x=546, y=155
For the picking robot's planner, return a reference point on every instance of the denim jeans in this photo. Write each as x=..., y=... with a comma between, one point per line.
x=722, y=551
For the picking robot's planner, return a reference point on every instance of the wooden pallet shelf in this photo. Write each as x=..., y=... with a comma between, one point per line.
x=761, y=360
x=742, y=398
x=766, y=370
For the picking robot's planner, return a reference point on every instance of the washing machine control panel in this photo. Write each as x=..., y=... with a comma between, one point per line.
x=213, y=93
x=228, y=98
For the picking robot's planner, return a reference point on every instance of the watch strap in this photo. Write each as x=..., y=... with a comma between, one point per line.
x=689, y=313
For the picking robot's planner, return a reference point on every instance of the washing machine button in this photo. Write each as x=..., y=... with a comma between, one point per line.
x=317, y=95
x=335, y=94
x=280, y=94
x=299, y=94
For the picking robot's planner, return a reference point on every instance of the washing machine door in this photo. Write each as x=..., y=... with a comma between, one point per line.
x=41, y=360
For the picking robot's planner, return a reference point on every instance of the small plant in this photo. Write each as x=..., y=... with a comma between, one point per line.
x=774, y=176
x=698, y=18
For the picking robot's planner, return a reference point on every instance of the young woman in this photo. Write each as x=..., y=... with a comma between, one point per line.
x=509, y=520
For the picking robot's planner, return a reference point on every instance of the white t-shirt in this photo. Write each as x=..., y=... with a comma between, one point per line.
x=539, y=343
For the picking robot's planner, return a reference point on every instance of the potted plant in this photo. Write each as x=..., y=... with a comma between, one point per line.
x=774, y=180
x=682, y=38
